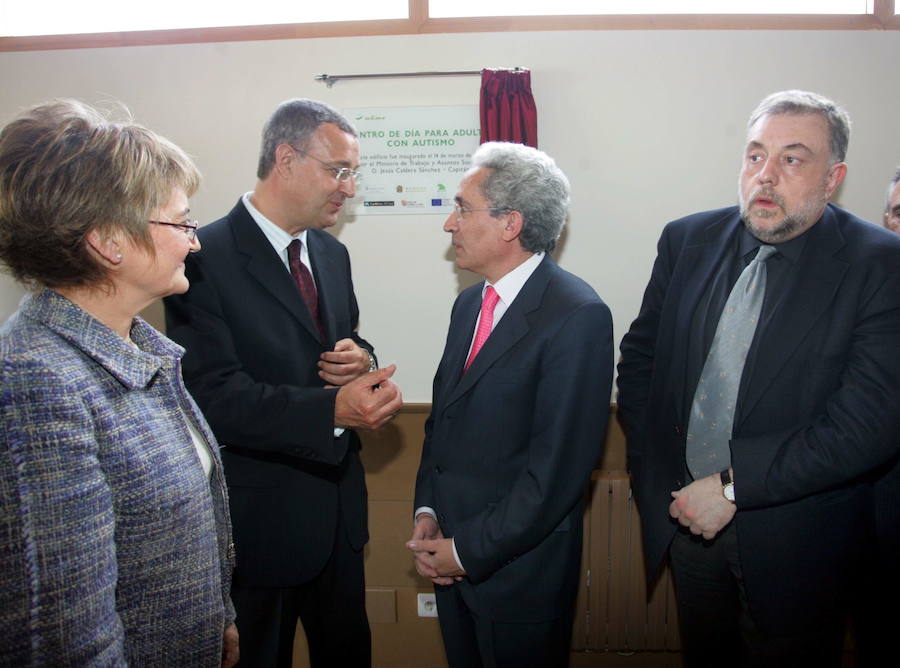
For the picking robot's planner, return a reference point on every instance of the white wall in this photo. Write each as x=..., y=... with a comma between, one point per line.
x=648, y=125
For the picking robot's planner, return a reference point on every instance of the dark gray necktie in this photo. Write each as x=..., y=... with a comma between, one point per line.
x=712, y=413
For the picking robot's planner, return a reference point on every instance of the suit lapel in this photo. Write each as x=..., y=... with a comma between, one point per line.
x=509, y=331
x=817, y=277
x=462, y=327
x=327, y=283
x=267, y=268
x=695, y=271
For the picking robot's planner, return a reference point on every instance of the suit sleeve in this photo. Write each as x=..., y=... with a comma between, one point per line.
x=637, y=355
x=424, y=495
x=568, y=427
x=858, y=427
x=282, y=418
x=57, y=543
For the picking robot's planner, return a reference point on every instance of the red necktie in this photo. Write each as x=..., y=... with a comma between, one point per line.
x=305, y=284
x=484, y=324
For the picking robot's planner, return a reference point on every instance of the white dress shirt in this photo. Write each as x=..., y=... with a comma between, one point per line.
x=279, y=239
x=200, y=445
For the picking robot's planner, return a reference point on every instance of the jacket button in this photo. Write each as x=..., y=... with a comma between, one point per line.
x=437, y=469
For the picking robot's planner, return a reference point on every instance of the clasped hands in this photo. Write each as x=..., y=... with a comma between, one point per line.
x=433, y=553
x=702, y=508
x=365, y=400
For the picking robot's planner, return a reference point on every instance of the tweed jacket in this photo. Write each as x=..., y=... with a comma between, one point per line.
x=115, y=547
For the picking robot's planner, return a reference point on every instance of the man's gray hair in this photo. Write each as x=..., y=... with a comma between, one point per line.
x=294, y=122
x=801, y=102
x=890, y=189
x=527, y=180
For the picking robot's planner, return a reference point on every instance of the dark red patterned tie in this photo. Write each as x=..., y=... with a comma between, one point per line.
x=305, y=283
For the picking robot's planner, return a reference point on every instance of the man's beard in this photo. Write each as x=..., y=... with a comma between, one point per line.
x=795, y=222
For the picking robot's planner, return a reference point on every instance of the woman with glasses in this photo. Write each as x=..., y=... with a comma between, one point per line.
x=115, y=543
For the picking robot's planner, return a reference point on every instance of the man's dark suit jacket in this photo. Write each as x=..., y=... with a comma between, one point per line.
x=815, y=419
x=250, y=364
x=510, y=445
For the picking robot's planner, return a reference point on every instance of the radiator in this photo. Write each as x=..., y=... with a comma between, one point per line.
x=613, y=612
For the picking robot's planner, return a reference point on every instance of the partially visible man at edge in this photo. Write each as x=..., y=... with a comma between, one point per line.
x=758, y=482
x=878, y=616
x=892, y=204
x=275, y=361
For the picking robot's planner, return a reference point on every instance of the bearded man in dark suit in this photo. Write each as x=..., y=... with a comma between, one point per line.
x=754, y=434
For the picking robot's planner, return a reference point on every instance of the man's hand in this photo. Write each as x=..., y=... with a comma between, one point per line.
x=368, y=402
x=702, y=507
x=434, y=556
x=346, y=362
x=427, y=528
x=231, y=653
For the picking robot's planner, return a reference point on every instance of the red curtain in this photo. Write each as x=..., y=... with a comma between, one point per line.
x=508, y=112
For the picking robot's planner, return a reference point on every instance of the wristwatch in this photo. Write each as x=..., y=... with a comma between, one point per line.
x=727, y=485
x=373, y=365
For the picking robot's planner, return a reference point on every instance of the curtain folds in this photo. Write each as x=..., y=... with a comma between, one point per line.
x=508, y=112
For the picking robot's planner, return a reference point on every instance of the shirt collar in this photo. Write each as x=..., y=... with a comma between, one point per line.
x=276, y=236
x=511, y=284
x=134, y=366
x=791, y=249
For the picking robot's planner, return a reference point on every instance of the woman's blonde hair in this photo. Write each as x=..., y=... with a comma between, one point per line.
x=64, y=170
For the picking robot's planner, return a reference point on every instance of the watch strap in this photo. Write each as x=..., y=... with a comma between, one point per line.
x=727, y=485
x=373, y=365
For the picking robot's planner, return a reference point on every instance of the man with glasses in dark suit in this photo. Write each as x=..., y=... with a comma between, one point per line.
x=277, y=366
x=518, y=420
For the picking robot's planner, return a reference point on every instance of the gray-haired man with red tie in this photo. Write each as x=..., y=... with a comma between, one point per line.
x=517, y=424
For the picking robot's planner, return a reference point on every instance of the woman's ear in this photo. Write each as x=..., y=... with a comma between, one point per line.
x=105, y=245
